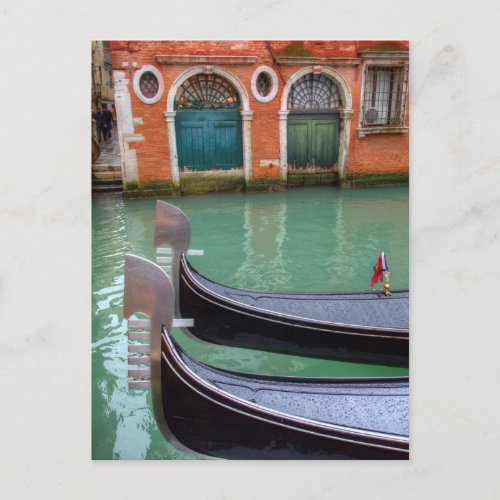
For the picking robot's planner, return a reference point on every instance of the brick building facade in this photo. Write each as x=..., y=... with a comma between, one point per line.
x=214, y=115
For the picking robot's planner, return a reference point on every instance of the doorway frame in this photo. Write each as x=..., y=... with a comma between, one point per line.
x=245, y=112
x=345, y=113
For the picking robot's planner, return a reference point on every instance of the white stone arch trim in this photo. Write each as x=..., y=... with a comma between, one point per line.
x=345, y=117
x=342, y=85
x=274, y=78
x=245, y=102
x=148, y=68
x=246, y=117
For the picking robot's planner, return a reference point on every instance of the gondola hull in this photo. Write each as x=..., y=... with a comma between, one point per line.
x=232, y=317
x=222, y=414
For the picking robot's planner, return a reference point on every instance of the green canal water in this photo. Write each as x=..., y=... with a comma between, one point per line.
x=311, y=239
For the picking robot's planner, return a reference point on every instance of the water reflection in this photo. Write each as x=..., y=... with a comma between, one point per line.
x=263, y=265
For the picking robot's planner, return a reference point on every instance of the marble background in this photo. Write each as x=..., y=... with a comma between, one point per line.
x=46, y=233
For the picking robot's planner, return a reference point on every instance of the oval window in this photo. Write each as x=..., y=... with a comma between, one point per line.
x=264, y=84
x=148, y=85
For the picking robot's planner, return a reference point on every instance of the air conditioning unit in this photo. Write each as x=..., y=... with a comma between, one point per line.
x=371, y=116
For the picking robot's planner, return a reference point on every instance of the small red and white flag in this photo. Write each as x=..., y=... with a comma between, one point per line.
x=379, y=269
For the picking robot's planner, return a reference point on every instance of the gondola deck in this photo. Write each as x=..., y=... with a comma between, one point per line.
x=369, y=310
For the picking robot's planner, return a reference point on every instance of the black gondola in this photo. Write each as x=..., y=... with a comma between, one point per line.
x=367, y=327
x=225, y=414
x=362, y=327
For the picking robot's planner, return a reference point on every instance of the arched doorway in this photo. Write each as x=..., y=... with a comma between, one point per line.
x=245, y=115
x=208, y=124
x=315, y=120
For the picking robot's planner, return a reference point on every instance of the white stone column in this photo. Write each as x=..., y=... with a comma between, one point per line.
x=172, y=142
x=246, y=118
x=345, y=134
x=283, y=121
x=125, y=125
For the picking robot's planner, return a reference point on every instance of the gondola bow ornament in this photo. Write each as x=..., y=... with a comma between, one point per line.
x=171, y=240
x=148, y=290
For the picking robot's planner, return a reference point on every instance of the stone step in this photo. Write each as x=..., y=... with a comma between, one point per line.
x=105, y=168
x=106, y=181
x=106, y=189
x=107, y=175
x=103, y=186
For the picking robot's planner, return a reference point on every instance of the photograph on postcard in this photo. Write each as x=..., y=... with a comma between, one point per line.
x=250, y=249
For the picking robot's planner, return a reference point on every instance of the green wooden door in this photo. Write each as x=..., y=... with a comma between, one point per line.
x=313, y=139
x=299, y=143
x=209, y=139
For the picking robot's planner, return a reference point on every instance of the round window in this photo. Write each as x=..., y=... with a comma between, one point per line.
x=148, y=85
x=264, y=84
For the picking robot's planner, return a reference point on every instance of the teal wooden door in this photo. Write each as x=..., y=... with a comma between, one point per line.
x=192, y=143
x=209, y=139
x=313, y=139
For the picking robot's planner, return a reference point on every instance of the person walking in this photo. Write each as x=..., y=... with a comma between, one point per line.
x=101, y=125
x=108, y=120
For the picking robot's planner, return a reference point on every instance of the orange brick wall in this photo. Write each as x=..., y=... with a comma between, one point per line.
x=379, y=153
x=373, y=153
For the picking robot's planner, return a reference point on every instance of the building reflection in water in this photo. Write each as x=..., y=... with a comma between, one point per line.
x=264, y=267
x=338, y=263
